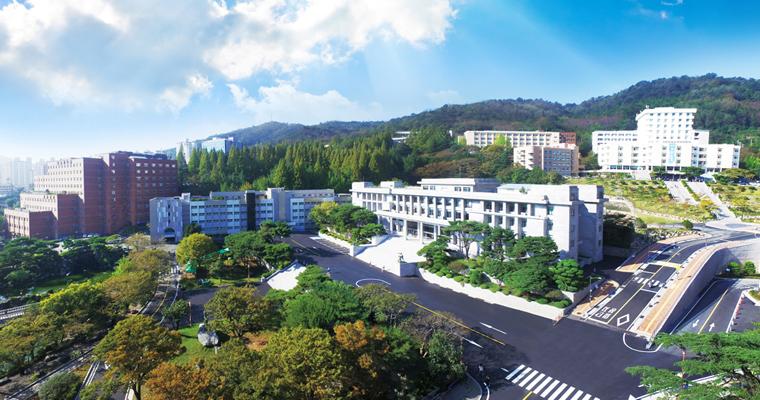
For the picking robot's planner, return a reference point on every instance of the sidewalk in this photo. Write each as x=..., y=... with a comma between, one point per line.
x=634, y=263
x=467, y=389
x=596, y=296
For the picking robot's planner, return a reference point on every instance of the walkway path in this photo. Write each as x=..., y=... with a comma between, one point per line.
x=701, y=189
x=679, y=192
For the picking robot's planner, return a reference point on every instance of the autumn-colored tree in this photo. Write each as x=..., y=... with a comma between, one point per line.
x=172, y=381
x=138, y=243
x=363, y=350
x=134, y=348
x=125, y=290
x=237, y=310
x=194, y=247
x=179, y=310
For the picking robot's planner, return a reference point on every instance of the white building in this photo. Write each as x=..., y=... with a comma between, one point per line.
x=560, y=158
x=519, y=138
x=664, y=137
x=569, y=214
x=187, y=149
x=224, y=213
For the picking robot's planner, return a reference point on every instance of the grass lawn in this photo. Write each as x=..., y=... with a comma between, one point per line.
x=236, y=274
x=651, y=196
x=744, y=200
x=649, y=219
x=57, y=283
x=194, y=348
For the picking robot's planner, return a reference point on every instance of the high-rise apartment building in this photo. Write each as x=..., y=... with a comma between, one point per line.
x=93, y=195
x=664, y=137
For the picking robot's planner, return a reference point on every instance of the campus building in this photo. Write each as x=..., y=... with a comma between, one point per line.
x=92, y=195
x=224, y=213
x=519, y=138
x=560, y=158
x=569, y=214
x=664, y=137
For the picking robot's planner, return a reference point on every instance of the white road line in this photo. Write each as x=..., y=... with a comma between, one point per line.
x=535, y=381
x=587, y=397
x=596, y=398
x=528, y=379
x=544, y=383
x=561, y=388
x=549, y=389
x=656, y=283
x=525, y=372
x=567, y=394
x=577, y=395
x=515, y=372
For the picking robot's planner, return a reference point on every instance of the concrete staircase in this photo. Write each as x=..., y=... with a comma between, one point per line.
x=701, y=189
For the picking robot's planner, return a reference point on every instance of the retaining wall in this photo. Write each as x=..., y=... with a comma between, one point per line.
x=616, y=251
x=715, y=263
x=513, y=302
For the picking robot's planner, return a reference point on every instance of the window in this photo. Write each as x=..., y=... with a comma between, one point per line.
x=572, y=212
x=549, y=210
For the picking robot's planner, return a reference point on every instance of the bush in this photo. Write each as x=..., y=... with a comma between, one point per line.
x=555, y=295
x=516, y=292
x=60, y=387
x=484, y=285
x=439, y=273
x=458, y=278
x=423, y=265
x=457, y=267
x=687, y=224
x=639, y=223
x=542, y=300
x=449, y=275
x=749, y=268
x=754, y=294
x=466, y=280
x=476, y=277
x=494, y=289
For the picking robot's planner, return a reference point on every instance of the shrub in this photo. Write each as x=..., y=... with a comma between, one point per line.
x=542, y=300
x=466, y=280
x=555, y=295
x=749, y=268
x=458, y=278
x=516, y=292
x=484, y=285
x=449, y=275
x=476, y=277
x=494, y=289
x=457, y=267
x=423, y=265
x=506, y=290
x=439, y=273
x=754, y=294
x=687, y=224
x=62, y=386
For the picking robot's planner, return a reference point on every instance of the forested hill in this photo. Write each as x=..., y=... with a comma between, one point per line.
x=728, y=107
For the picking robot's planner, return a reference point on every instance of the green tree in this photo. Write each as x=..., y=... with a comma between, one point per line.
x=435, y=251
x=320, y=214
x=182, y=169
x=324, y=306
x=540, y=249
x=497, y=242
x=61, y=386
x=190, y=229
x=280, y=255
x=179, y=310
x=300, y=363
x=18, y=277
x=193, y=165
x=237, y=310
x=136, y=347
x=78, y=310
x=567, y=275
x=733, y=358
x=444, y=359
x=194, y=247
x=530, y=275
x=382, y=304
x=466, y=233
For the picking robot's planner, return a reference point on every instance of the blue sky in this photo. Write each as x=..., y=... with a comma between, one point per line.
x=80, y=77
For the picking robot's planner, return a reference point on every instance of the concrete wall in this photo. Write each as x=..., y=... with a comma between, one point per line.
x=616, y=251
x=516, y=303
x=747, y=251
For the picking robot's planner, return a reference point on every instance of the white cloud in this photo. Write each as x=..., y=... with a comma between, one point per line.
x=285, y=103
x=176, y=98
x=138, y=53
x=664, y=15
x=672, y=4
x=442, y=97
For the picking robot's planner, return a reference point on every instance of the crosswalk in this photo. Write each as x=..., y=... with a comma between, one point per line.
x=545, y=386
x=644, y=279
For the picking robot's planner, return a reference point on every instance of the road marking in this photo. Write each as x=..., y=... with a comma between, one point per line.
x=514, y=372
x=529, y=378
x=304, y=247
x=694, y=325
x=637, y=292
x=166, y=292
x=489, y=326
x=624, y=319
x=525, y=372
x=567, y=394
x=535, y=381
x=527, y=395
x=587, y=397
x=544, y=383
x=471, y=342
x=456, y=322
x=371, y=279
x=577, y=395
x=561, y=388
x=711, y=327
x=713, y=310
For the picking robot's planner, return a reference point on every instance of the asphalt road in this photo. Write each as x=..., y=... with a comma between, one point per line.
x=629, y=302
x=569, y=355
x=717, y=304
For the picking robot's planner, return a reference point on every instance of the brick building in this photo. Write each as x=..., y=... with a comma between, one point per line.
x=93, y=195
